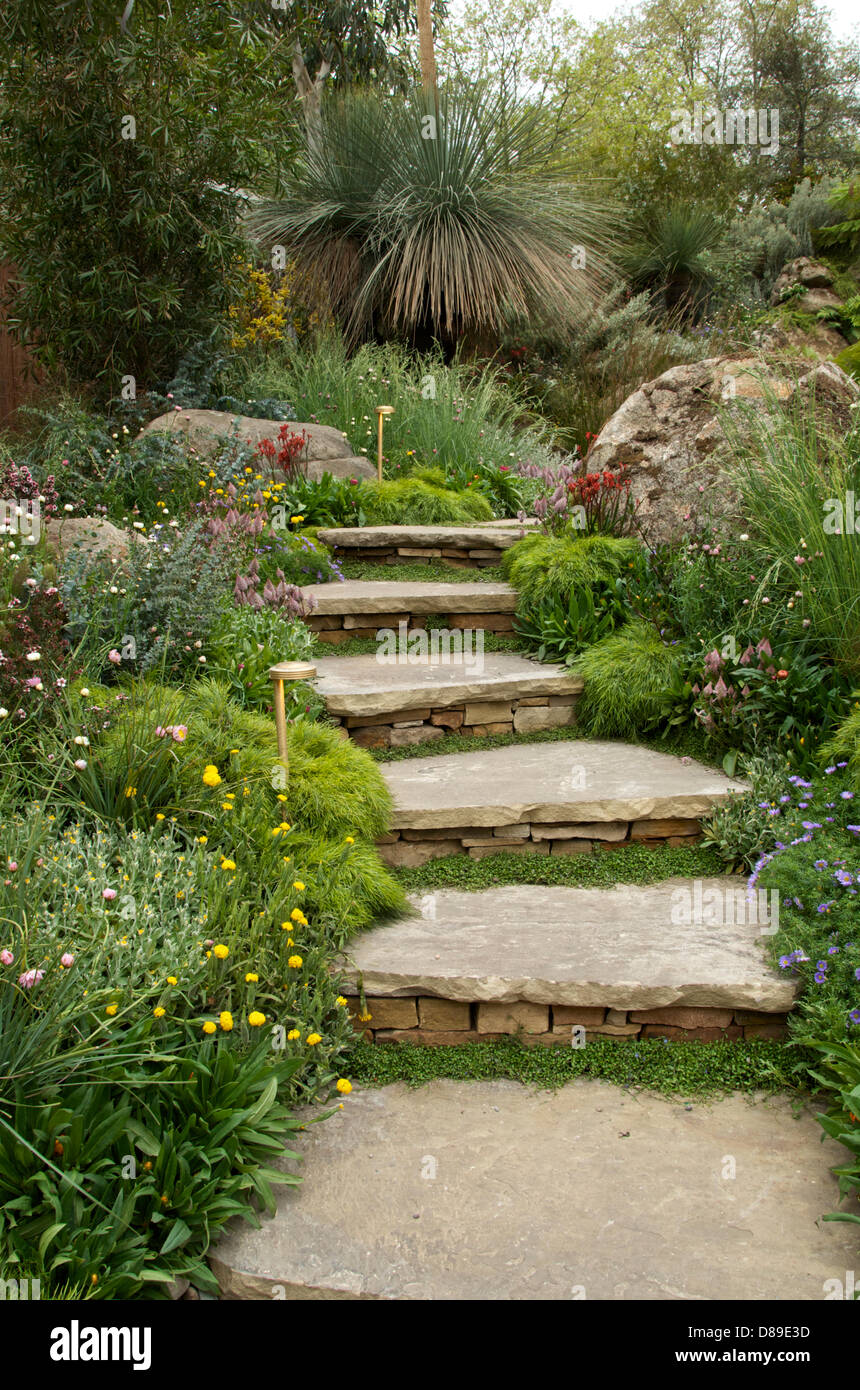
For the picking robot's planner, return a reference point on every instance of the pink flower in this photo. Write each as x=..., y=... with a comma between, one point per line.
x=6, y=957
x=67, y=959
x=31, y=978
x=13, y=864
x=80, y=764
x=108, y=893
x=114, y=656
x=180, y=733
x=159, y=733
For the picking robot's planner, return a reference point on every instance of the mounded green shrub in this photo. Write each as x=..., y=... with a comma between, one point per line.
x=553, y=566
x=334, y=791
x=626, y=677
x=422, y=499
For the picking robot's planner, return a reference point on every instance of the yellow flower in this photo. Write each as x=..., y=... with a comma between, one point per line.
x=111, y=1009
x=159, y=815
x=159, y=1012
x=365, y=1018
x=295, y=962
x=222, y=952
x=211, y=776
x=226, y=1020
x=297, y=915
x=202, y=839
x=350, y=840
x=299, y=886
x=251, y=979
x=227, y=864
x=344, y=1086
x=226, y=806
x=171, y=979
x=313, y=1039
x=256, y=1019
x=340, y=1000
x=296, y=518
x=293, y=1034
x=209, y=1026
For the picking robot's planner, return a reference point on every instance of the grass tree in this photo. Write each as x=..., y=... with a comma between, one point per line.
x=433, y=219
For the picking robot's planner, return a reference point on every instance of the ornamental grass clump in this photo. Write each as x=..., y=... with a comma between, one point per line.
x=548, y=567
x=626, y=677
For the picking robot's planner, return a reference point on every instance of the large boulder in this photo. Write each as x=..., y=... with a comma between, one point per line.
x=670, y=437
x=327, y=450
x=93, y=534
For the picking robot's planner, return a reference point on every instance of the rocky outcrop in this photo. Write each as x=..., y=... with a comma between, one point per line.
x=812, y=275
x=327, y=450
x=670, y=436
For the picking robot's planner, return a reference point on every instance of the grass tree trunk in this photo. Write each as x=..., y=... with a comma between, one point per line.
x=310, y=95
x=426, y=50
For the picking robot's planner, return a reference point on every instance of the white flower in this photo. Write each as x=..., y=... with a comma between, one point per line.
x=80, y=764
x=202, y=660
x=81, y=740
x=34, y=656
x=85, y=692
x=138, y=525
x=744, y=536
x=4, y=714
x=68, y=507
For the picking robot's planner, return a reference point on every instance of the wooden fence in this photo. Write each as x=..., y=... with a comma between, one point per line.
x=17, y=375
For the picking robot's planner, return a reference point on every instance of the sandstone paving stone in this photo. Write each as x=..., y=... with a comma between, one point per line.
x=580, y=781
x=601, y=947
x=355, y=685
x=490, y=1190
x=391, y=597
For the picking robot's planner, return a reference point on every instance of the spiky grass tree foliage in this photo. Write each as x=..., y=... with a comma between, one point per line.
x=673, y=254
x=436, y=221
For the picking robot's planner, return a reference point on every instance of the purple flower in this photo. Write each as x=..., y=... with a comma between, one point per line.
x=854, y=1015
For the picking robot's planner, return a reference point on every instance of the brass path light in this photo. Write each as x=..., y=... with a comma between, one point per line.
x=381, y=412
x=286, y=672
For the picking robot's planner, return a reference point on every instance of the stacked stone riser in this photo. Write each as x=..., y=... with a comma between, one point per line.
x=424, y=1020
x=407, y=849
x=402, y=727
x=338, y=628
x=408, y=554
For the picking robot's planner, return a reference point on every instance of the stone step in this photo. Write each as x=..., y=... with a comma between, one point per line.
x=678, y=957
x=359, y=608
x=529, y=787
x=493, y=1190
x=409, y=696
x=476, y=545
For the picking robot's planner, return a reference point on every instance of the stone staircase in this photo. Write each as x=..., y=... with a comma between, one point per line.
x=539, y=961
x=469, y=547
x=496, y=1190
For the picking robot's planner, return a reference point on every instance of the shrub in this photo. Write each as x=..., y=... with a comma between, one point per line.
x=626, y=676
x=545, y=567
x=843, y=747
x=421, y=500
x=154, y=610
x=246, y=642
x=151, y=761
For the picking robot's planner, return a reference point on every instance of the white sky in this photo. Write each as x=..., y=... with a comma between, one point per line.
x=845, y=18
x=844, y=13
